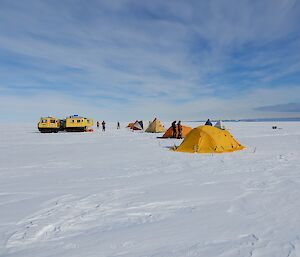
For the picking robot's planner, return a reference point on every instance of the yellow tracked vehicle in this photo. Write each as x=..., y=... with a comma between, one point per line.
x=49, y=125
x=75, y=123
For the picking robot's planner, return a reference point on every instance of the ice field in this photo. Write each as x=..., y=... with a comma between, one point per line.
x=123, y=193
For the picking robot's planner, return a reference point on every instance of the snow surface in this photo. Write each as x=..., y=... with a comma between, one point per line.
x=123, y=193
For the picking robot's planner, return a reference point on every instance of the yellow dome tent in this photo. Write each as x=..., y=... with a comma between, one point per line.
x=208, y=139
x=155, y=127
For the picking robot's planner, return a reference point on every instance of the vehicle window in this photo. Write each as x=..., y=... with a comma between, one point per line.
x=78, y=121
x=72, y=121
x=52, y=121
x=44, y=121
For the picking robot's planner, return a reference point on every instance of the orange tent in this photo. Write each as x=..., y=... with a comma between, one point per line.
x=130, y=125
x=169, y=132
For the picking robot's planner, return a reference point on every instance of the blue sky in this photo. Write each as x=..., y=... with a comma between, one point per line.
x=132, y=59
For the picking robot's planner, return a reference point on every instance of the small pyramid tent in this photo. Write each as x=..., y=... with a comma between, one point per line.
x=169, y=132
x=137, y=126
x=155, y=127
x=219, y=125
x=208, y=139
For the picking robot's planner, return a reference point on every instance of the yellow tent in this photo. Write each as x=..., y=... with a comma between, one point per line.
x=155, y=127
x=208, y=139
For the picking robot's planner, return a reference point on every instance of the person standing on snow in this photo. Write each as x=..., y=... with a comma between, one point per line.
x=208, y=123
x=118, y=125
x=98, y=124
x=179, y=127
x=103, y=125
x=174, y=129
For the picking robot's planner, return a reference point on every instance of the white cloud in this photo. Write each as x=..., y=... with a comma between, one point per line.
x=155, y=55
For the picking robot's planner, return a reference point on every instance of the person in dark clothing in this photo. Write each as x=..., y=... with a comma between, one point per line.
x=179, y=127
x=98, y=124
x=142, y=124
x=208, y=123
x=103, y=125
x=118, y=125
x=174, y=129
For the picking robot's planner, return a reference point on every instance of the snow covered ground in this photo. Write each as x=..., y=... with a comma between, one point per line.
x=123, y=193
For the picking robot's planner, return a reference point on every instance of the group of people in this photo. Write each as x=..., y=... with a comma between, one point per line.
x=177, y=129
x=103, y=125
